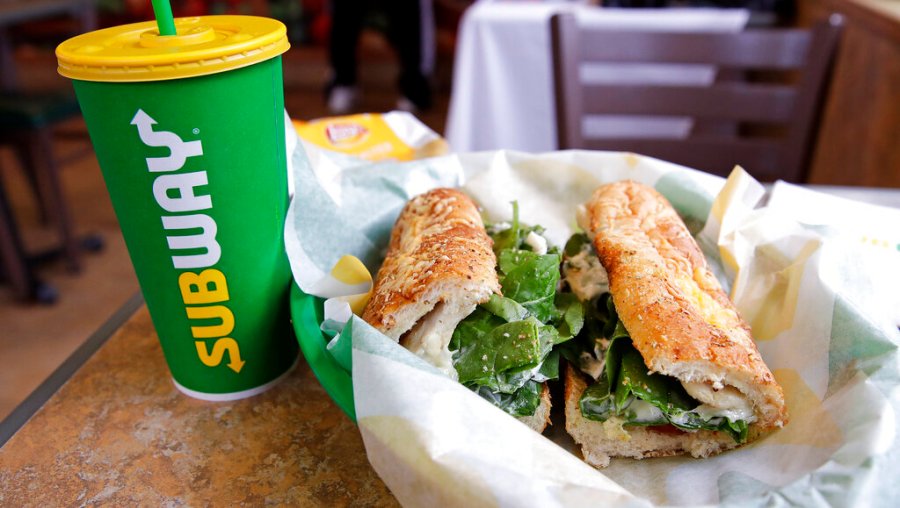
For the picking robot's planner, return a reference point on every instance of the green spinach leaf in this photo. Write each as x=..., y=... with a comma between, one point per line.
x=523, y=402
x=487, y=347
x=531, y=280
x=596, y=402
x=504, y=350
x=510, y=238
x=570, y=316
x=575, y=244
x=505, y=308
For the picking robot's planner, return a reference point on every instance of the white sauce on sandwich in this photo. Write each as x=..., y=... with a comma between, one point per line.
x=430, y=337
x=726, y=401
x=585, y=275
x=645, y=411
x=591, y=365
x=537, y=243
x=583, y=272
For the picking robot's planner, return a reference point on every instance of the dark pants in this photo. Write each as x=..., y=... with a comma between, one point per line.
x=404, y=32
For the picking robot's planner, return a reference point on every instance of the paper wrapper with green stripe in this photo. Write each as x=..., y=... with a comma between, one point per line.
x=435, y=443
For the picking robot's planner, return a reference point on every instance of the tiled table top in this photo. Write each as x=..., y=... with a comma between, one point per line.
x=119, y=433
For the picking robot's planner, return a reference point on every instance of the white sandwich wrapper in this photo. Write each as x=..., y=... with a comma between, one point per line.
x=435, y=443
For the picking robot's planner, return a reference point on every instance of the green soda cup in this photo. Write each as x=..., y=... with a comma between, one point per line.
x=189, y=133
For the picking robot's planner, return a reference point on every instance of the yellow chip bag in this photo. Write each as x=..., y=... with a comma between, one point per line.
x=395, y=135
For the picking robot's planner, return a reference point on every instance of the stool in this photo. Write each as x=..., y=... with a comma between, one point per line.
x=26, y=123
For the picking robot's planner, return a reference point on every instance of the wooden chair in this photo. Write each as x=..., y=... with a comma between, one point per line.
x=760, y=111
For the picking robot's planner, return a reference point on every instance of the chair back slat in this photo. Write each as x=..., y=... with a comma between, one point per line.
x=729, y=101
x=759, y=49
x=744, y=117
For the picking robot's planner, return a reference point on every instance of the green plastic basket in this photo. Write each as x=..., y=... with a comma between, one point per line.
x=307, y=315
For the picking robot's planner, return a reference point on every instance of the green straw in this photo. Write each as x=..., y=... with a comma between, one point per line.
x=164, y=20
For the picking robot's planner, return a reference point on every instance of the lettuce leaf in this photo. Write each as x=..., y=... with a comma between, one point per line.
x=489, y=347
x=642, y=398
x=570, y=320
x=511, y=237
x=522, y=402
x=503, y=350
x=530, y=279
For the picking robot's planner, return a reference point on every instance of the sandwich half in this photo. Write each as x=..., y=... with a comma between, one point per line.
x=665, y=364
x=439, y=266
x=440, y=291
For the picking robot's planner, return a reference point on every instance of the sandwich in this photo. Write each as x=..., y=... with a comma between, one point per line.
x=479, y=304
x=664, y=364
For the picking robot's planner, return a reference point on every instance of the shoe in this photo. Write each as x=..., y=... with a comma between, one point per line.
x=342, y=99
x=404, y=104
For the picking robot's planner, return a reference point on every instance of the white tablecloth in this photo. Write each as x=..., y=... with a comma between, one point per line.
x=502, y=94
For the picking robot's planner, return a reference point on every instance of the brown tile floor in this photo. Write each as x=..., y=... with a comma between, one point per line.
x=35, y=339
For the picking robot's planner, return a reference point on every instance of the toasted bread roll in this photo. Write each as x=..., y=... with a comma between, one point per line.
x=680, y=321
x=439, y=266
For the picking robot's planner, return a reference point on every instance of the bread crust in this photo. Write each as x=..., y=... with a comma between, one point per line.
x=438, y=241
x=678, y=316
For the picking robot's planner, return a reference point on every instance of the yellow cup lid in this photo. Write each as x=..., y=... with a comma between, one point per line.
x=204, y=45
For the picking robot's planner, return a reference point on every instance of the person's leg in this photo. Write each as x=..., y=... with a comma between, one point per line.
x=411, y=33
x=346, y=25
